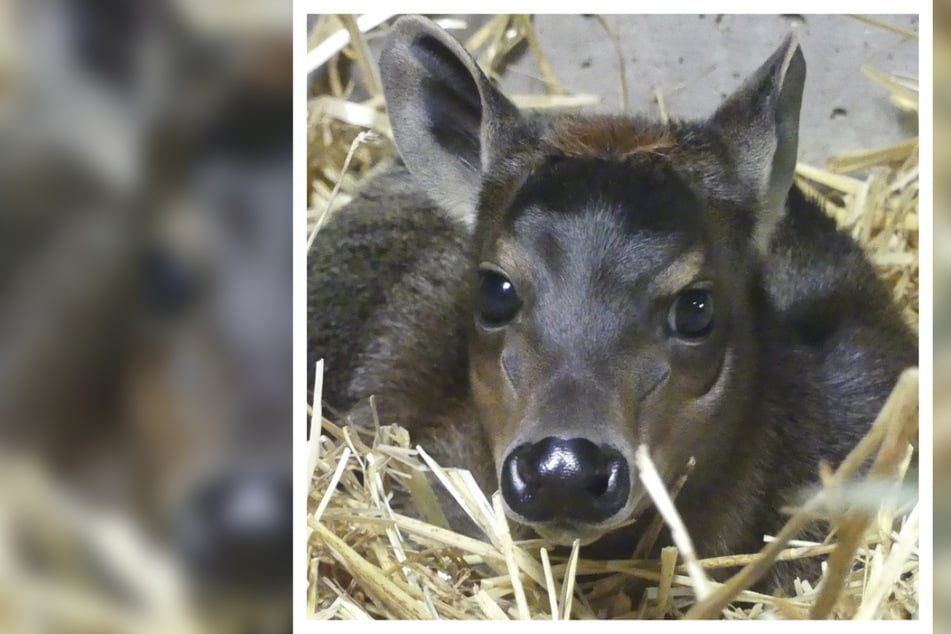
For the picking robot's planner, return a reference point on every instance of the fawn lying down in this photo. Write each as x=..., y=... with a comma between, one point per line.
x=534, y=295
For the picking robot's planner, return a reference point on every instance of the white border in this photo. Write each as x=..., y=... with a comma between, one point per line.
x=926, y=301
x=299, y=320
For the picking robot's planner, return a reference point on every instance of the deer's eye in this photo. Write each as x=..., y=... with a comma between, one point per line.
x=691, y=315
x=498, y=301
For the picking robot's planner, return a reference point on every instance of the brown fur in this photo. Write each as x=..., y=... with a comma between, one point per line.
x=608, y=137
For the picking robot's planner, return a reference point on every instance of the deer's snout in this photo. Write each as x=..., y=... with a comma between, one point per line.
x=236, y=531
x=557, y=479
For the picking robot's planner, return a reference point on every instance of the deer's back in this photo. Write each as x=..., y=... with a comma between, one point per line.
x=387, y=280
x=838, y=340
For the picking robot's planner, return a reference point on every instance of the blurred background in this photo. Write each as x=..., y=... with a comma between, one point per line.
x=145, y=316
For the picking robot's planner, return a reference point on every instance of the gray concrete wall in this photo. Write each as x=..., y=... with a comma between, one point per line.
x=698, y=59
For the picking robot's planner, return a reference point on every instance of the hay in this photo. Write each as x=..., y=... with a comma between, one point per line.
x=369, y=560
x=67, y=565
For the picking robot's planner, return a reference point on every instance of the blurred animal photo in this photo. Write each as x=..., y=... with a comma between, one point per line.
x=146, y=370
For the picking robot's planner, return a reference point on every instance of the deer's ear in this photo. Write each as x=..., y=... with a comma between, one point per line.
x=760, y=125
x=450, y=124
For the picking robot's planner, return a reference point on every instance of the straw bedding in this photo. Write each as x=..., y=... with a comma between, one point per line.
x=368, y=559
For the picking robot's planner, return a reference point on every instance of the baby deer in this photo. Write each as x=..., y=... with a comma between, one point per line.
x=534, y=296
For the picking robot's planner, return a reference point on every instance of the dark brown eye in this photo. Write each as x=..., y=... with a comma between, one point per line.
x=498, y=301
x=691, y=314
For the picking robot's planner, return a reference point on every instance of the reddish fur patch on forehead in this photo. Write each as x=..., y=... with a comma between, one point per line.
x=610, y=137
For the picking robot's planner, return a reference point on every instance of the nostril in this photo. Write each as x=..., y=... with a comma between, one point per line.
x=517, y=477
x=527, y=470
x=599, y=484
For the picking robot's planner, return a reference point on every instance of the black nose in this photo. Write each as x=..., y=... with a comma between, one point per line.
x=565, y=479
x=235, y=532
